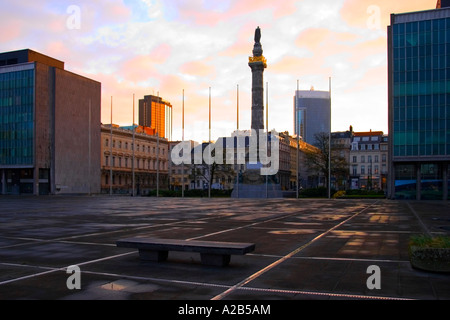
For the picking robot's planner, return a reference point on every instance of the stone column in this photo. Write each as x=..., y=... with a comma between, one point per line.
x=445, y=181
x=257, y=63
x=3, y=182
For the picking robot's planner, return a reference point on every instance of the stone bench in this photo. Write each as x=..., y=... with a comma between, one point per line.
x=212, y=253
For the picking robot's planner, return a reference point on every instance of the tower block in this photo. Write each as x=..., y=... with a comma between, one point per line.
x=257, y=63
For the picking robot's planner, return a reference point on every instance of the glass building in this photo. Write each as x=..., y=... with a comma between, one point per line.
x=312, y=114
x=419, y=104
x=49, y=127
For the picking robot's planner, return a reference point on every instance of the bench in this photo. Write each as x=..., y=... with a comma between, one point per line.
x=212, y=253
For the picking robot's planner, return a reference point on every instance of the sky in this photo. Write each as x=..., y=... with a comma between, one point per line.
x=162, y=47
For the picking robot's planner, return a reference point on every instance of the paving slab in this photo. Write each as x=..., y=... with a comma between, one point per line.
x=305, y=249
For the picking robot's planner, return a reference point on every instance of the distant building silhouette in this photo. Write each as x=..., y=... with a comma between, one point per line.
x=312, y=114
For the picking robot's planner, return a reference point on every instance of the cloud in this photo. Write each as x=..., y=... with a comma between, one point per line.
x=149, y=46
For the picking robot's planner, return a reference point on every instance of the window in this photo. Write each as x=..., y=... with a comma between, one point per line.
x=355, y=159
x=363, y=170
x=363, y=159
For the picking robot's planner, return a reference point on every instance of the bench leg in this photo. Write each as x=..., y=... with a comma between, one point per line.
x=218, y=260
x=158, y=256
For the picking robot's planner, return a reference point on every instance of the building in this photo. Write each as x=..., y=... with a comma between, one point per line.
x=156, y=113
x=419, y=103
x=49, y=127
x=289, y=147
x=341, y=145
x=121, y=162
x=312, y=114
x=369, y=161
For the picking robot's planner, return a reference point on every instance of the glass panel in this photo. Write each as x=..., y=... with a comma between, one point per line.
x=431, y=182
x=405, y=181
x=16, y=117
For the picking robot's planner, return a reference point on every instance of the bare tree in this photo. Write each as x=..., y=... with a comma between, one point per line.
x=318, y=161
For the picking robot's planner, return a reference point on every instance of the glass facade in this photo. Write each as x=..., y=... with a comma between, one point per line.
x=312, y=112
x=16, y=117
x=421, y=88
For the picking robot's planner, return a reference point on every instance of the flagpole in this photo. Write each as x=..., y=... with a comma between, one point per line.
x=157, y=145
x=182, y=139
x=297, y=124
x=133, y=174
x=267, y=134
x=238, y=165
x=210, y=175
x=329, y=151
x=111, y=151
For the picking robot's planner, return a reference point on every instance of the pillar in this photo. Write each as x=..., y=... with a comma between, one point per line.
x=3, y=182
x=418, y=182
x=445, y=181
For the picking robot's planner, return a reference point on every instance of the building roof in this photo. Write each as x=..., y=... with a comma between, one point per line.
x=27, y=55
x=369, y=133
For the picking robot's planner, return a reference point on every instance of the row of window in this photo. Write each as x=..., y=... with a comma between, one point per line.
x=145, y=164
x=422, y=150
x=367, y=147
x=421, y=88
x=375, y=159
x=129, y=146
x=119, y=179
x=357, y=170
x=427, y=52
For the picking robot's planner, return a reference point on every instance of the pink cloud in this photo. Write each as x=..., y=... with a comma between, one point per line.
x=198, y=68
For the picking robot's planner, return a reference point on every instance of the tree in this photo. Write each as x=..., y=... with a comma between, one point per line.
x=318, y=160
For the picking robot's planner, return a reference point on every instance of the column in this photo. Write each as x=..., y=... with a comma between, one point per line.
x=3, y=182
x=418, y=182
x=445, y=181
x=36, y=181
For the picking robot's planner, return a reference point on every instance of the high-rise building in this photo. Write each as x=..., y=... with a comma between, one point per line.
x=312, y=114
x=419, y=103
x=156, y=113
x=49, y=127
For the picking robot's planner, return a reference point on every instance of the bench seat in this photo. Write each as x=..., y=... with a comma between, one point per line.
x=212, y=252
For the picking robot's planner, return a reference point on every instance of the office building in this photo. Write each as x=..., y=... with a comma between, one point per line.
x=49, y=127
x=156, y=113
x=312, y=114
x=419, y=103
x=120, y=162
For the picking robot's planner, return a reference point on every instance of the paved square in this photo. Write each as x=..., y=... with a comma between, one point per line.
x=305, y=249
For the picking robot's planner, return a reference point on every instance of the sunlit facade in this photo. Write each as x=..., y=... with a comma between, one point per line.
x=419, y=104
x=47, y=143
x=156, y=113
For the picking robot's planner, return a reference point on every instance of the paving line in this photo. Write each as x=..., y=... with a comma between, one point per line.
x=286, y=257
x=61, y=269
x=327, y=294
x=331, y=258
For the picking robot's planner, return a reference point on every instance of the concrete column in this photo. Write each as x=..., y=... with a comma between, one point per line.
x=445, y=181
x=418, y=182
x=3, y=182
x=36, y=181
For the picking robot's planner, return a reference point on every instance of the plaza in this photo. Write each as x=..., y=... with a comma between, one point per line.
x=305, y=249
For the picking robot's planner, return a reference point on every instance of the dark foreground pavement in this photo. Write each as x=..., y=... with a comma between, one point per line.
x=305, y=249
